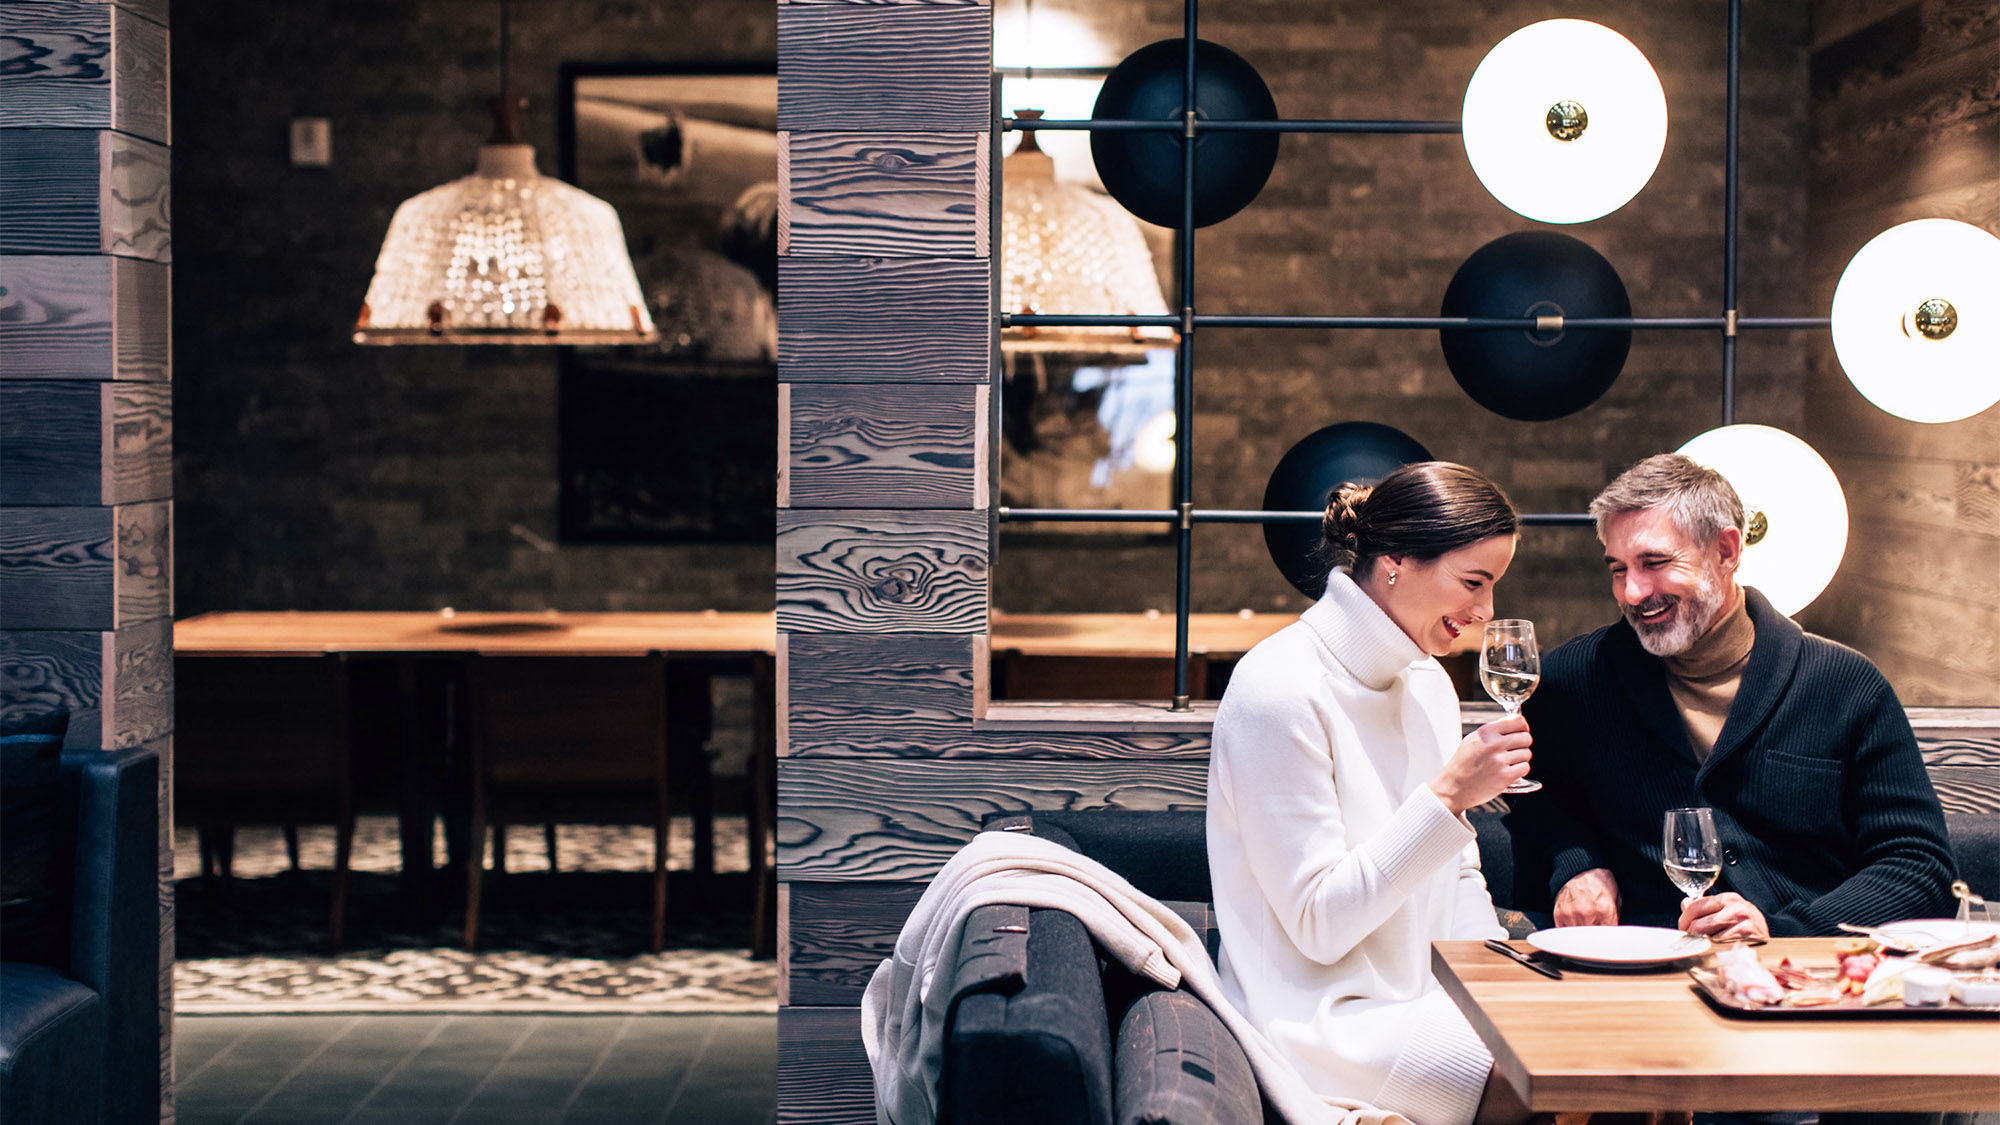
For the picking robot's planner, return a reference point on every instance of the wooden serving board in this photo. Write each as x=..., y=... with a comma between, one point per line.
x=1708, y=985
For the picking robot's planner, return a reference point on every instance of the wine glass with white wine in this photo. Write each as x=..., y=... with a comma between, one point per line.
x=1509, y=667
x=1690, y=851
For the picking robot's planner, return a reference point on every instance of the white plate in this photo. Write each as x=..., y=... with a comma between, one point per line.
x=1928, y=933
x=1620, y=946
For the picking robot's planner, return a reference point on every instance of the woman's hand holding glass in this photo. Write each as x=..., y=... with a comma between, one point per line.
x=1485, y=764
x=1510, y=667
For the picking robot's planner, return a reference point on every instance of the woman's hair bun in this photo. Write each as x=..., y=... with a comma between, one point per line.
x=1344, y=517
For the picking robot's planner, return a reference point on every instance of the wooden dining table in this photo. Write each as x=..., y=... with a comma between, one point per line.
x=696, y=646
x=1645, y=1041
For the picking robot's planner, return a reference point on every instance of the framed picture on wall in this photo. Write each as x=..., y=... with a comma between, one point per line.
x=676, y=441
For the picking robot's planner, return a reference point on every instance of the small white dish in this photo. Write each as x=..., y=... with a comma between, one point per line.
x=1622, y=947
x=1929, y=933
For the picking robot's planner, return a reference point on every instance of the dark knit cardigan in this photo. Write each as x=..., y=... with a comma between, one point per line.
x=1821, y=798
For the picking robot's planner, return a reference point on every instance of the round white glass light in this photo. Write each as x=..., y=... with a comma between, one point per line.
x=1929, y=364
x=1564, y=79
x=1803, y=508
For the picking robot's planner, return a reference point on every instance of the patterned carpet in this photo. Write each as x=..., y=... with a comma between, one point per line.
x=573, y=940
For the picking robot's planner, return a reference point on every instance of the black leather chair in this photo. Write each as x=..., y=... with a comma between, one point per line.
x=80, y=1038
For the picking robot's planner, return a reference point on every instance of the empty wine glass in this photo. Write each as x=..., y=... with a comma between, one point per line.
x=1509, y=667
x=1690, y=851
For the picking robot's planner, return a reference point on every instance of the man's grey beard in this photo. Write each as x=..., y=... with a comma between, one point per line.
x=1687, y=626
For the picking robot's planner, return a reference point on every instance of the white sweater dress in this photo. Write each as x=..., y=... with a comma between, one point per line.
x=1335, y=866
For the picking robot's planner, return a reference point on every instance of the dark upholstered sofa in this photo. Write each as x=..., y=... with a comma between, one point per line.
x=1042, y=1029
x=80, y=1033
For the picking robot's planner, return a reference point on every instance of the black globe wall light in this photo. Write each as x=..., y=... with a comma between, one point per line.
x=1310, y=472
x=1552, y=370
x=1142, y=169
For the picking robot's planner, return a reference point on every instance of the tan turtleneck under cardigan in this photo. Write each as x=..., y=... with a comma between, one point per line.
x=1703, y=680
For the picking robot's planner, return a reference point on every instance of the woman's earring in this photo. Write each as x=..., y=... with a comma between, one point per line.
x=1392, y=578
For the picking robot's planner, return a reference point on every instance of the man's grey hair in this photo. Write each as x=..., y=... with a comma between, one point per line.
x=1698, y=499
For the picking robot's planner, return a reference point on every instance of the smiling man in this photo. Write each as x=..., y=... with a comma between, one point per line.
x=1704, y=695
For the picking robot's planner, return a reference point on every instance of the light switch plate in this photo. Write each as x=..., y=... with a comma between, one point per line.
x=312, y=142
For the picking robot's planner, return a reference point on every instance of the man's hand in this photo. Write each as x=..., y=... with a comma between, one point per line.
x=1727, y=917
x=1590, y=899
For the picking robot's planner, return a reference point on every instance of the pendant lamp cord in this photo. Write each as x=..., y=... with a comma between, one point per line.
x=506, y=108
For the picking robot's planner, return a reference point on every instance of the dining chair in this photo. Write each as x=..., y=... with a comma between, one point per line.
x=579, y=740
x=265, y=740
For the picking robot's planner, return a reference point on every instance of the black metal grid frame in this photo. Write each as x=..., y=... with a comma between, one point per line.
x=1184, y=515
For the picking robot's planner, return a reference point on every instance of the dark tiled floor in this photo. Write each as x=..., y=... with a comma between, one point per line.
x=476, y=1070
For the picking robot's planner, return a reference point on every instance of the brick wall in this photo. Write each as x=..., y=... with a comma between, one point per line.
x=322, y=475
x=1378, y=225
x=316, y=474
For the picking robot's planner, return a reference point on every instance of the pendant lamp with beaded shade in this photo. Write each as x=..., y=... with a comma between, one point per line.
x=1065, y=248
x=504, y=256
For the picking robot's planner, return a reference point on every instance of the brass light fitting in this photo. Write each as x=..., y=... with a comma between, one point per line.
x=1567, y=120
x=1935, y=319
x=1758, y=529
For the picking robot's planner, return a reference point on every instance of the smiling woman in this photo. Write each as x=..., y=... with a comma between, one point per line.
x=1337, y=781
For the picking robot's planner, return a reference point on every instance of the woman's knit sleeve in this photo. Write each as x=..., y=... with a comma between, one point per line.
x=1272, y=763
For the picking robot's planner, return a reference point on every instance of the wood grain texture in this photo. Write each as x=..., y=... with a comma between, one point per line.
x=56, y=314
x=141, y=453
x=1964, y=766
x=899, y=821
x=977, y=742
x=139, y=77
x=784, y=442
x=1645, y=1041
x=843, y=931
x=59, y=64
x=1964, y=789
x=910, y=195
x=85, y=444
x=142, y=321
x=899, y=446
x=840, y=932
x=982, y=448
x=823, y=1076
x=49, y=178
x=55, y=443
x=880, y=695
x=145, y=557
x=1927, y=127
x=155, y=10
x=882, y=572
x=137, y=220
x=117, y=685
x=884, y=320
x=1837, y=234
x=884, y=67
x=61, y=566
x=1913, y=623
x=139, y=704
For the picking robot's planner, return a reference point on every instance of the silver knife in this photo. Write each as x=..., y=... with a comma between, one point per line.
x=1499, y=946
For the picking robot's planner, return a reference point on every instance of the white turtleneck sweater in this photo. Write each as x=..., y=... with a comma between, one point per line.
x=1335, y=866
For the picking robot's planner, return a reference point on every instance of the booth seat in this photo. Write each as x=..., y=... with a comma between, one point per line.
x=1041, y=1028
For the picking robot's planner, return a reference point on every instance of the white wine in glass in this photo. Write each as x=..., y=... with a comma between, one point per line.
x=1690, y=851
x=1509, y=668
